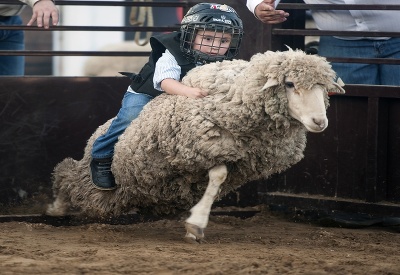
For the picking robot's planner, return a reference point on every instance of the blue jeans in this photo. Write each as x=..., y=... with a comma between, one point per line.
x=11, y=40
x=356, y=73
x=132, y=105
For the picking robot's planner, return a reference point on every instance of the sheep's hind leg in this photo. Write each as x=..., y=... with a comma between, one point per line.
x=200, y=213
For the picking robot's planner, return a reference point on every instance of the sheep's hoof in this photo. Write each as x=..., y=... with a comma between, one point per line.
x=194, y=234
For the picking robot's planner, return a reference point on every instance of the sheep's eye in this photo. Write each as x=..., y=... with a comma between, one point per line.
x=289, y=85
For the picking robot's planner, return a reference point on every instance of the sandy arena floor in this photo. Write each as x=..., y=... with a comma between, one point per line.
x=263, y=244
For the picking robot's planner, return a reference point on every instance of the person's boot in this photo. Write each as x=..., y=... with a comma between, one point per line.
x=100, y=172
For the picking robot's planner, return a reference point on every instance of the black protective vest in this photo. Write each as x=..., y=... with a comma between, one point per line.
x=143, y=82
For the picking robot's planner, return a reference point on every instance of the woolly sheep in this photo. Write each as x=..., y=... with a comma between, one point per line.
x=181, y=152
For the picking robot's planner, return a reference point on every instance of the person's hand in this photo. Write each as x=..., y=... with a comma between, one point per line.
x=195, y=93
x=266, y=13
x=42, y=11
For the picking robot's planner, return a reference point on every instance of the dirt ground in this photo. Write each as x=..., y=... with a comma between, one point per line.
x=263, y=244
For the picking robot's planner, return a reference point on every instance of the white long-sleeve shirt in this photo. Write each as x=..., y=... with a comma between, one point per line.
x=11, y=10
x=353, y=20
x=166, y=67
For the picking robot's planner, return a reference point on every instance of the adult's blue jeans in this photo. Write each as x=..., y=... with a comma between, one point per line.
x=132, y=105
x=356, y=73
x=11, y=40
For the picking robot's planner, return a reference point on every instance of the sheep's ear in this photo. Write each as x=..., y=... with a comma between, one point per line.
x=337, y=87
x=289, y=48
x=340, y=82
x=270, y=83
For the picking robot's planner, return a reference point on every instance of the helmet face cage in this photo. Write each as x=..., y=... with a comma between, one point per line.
x=220, y=22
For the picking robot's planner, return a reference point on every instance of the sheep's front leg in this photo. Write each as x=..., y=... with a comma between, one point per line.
x=200, y=213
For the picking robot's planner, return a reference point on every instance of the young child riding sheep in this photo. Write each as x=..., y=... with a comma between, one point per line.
x=209, y=33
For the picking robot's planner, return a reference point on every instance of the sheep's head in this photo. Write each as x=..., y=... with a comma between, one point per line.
x=306, y=81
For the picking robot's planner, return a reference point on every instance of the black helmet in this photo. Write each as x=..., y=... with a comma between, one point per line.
x=215, y=18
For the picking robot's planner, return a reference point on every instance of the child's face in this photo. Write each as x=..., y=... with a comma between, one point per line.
x=212, y=43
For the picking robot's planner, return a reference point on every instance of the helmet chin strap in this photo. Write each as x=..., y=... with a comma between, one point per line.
x=203, y=58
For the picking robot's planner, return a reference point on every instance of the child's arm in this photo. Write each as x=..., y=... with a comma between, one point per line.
x=174, y=87
x=167, y=75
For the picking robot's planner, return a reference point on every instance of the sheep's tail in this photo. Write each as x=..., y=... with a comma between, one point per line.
x=61, y=178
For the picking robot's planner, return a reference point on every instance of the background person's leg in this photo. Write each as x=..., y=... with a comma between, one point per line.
x=390, y=74
x=351, y=73
x=12, y=40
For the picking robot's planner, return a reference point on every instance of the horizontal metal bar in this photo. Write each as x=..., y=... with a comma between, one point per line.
x=93, y=28
x=76, y=219
x=133, y=218
x=73, y=53
x=336, y=7
x=186, y=4
x=390, y=61
x=147, y=53
x=307, y=202
x=372, y=91
x=183, y=4
x=316, y=32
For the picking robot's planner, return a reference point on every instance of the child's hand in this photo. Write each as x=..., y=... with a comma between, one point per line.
x=196, y=93
x=174, y=87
